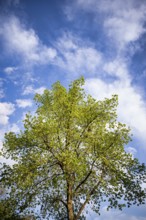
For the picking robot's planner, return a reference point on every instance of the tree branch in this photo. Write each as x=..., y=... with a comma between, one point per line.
x=60, y=200
x=86, y=201
x=83, y=181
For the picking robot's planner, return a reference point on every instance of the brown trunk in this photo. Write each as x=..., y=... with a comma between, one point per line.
x=70, y=202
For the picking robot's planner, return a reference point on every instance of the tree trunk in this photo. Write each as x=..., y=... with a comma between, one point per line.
x=70, y=202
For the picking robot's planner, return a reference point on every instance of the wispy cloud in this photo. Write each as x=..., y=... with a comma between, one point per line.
x=31, y=90
x=10, y=69
x=76, y=56
x=118, y=68
x=24, y=42
x=6, y=109
x=80, y=57
x=124, y=23
x=23, y=103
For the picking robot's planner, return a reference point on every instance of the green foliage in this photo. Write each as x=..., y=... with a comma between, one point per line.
x=71, y=154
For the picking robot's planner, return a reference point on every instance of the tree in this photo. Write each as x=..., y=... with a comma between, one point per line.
x=6, y=211
x=71, y=155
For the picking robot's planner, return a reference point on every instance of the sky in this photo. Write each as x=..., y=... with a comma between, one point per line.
x=44, y=41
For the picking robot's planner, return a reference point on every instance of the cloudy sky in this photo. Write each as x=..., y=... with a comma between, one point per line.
x=49, y=40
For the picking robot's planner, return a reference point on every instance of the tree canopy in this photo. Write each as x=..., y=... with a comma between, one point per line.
x=70, y=156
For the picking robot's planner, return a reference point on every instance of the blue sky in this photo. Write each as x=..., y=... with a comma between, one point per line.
x=49, y=40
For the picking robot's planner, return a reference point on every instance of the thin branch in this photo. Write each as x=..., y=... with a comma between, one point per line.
x=83, y=181
x=64, y=203
x=60, y=200
x=86, y=178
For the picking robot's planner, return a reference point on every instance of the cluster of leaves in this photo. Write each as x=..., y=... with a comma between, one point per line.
x=71, y=154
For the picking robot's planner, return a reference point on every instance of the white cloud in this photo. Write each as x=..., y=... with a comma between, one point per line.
x=31, y=90
x=126, y=26
x=77, y=57
x=28, y=90
x=122, y=22
x=10, y=69
x=39, y=90
x=131, y=109
x=25, y=42
x=117, y=68
x=23, y=103
x=6, y=109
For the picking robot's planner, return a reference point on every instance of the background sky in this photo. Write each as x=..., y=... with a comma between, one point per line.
x=49, y=40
